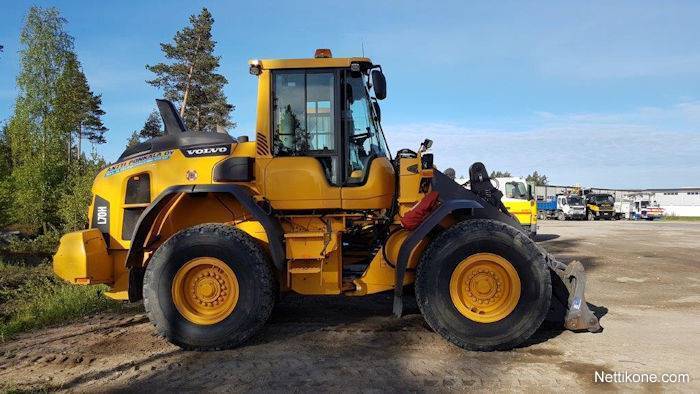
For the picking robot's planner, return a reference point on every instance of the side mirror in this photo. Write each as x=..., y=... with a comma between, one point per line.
x=529, y=192
x=377, y=110
x=379, y=84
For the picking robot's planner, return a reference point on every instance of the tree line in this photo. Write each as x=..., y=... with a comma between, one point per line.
x=537, y=179
x=46, y=167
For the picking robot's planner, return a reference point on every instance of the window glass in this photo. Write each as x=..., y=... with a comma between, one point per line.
x=516, y=190
x=303, y=113
x=289, y=115
x=364, y=138
x=575, y=200
x=319, y=109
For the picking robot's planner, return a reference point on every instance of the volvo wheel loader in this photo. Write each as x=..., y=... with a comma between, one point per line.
x=208, y=230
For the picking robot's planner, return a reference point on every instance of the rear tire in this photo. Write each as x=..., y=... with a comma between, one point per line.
x=459, y=244
x=235, y=252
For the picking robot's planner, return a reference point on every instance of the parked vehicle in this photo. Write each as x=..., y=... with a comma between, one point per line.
x=600, y=206
x=643, y=207
x=562, y=207
x=623, y=209
x=546, y=208
x=517, y=197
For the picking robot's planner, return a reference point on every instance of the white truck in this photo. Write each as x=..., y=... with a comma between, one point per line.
x=623, y=209
x=639, y=206
x=564, y=207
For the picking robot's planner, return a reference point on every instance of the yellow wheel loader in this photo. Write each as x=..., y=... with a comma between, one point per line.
x=207, y=230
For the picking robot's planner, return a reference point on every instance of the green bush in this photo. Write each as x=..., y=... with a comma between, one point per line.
x=32, y=297
x=43, y=245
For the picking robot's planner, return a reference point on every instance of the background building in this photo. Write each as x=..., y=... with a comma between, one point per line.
x=675, y=202
x=683, y=201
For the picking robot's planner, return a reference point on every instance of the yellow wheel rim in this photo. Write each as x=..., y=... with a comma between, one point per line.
x=485, y=287
x=205, y=290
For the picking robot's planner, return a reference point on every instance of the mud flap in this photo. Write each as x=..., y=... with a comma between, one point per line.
x=569, y=291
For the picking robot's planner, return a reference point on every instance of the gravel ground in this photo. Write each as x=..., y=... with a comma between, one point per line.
x=645, y=274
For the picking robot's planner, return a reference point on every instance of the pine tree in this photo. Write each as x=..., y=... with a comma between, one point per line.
x=537, y=179
x=191, y=79
x=77, y=109
x=151, y=128
x=133, y=140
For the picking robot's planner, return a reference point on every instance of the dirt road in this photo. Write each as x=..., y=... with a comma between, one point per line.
x=646, y=274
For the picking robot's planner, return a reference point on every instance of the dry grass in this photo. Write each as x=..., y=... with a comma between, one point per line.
x=32, y=297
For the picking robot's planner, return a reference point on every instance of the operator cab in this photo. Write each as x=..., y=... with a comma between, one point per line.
x=319, y=134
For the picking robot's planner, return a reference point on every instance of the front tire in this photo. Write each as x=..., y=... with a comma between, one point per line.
x=209, y=287
x=461, y=275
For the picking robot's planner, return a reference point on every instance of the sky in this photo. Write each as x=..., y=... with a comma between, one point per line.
x=602, y=94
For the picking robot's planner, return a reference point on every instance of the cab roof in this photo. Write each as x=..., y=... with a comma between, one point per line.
x=329, y=62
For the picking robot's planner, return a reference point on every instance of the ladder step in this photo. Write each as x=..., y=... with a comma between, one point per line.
x=305, y=267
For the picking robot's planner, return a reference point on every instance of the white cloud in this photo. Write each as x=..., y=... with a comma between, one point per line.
x=625, y=150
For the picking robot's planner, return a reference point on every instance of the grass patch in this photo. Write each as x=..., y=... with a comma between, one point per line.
x=32, y=297
x=682, y=218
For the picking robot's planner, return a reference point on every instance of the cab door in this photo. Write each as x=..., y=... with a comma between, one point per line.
x=369, y=179
x=305, y=171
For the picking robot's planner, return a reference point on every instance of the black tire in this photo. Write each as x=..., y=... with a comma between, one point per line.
x=448, y=250
x=561, y=216
x=257, y=287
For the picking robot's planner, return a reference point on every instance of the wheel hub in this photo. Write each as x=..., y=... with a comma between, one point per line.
x=205, y=290
x=485, y=287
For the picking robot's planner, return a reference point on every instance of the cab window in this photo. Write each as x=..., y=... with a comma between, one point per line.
x=304, y=117
x=365, y=140
x=303, y=113
x=516, y=190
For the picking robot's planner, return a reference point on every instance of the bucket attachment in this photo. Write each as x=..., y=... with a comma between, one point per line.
x=577, y=315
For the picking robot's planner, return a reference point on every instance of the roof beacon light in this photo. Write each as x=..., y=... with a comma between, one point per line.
x=323, y=53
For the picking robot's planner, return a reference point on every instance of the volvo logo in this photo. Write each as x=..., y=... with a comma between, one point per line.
x=207, y=151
